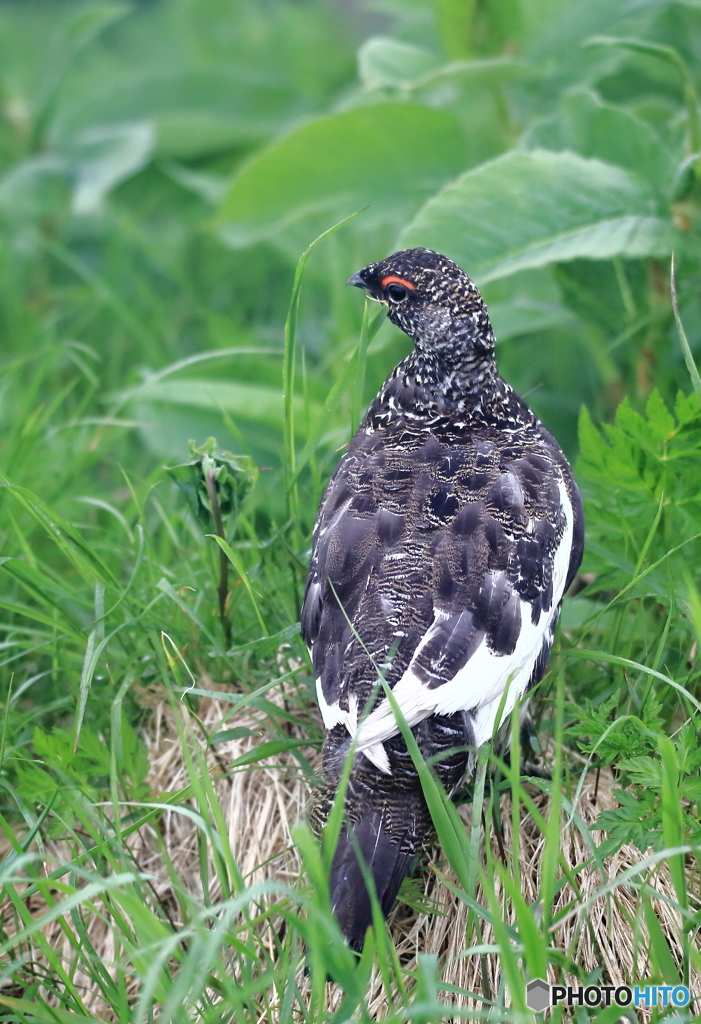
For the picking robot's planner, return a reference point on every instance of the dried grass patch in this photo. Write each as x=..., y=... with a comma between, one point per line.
x=262, y=803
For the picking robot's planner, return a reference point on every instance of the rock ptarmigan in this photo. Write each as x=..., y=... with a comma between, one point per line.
x=444, y=543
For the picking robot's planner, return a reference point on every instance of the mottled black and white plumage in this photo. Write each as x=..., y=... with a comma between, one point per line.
x=447, y=537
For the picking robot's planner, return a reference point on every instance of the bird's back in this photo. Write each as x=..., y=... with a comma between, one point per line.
x=442, y=548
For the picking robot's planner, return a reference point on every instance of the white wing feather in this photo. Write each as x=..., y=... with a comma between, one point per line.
x=478, y=686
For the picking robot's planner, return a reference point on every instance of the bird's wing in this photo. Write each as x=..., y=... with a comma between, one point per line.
x=443, y=565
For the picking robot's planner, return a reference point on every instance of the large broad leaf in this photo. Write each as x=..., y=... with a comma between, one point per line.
x=194, y=112
x=553, y=34
x=209, y=75
x=525, y=303
x=99, y=158
x=89, y=166
x=587, y=125
x=529, y=209
x=243, y=416
x=386, y=63
x=252, y=402
x=391, y=156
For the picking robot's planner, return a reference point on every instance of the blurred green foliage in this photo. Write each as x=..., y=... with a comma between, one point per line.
x=163, y=164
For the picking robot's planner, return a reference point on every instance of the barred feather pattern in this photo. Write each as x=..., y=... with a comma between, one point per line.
x=443, y=546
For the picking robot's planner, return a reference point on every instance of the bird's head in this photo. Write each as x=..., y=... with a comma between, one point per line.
x=433, y=301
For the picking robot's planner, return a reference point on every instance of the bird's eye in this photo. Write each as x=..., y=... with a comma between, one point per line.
x=396, y=292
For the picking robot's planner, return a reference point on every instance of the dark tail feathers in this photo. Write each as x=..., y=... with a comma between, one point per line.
x=386, y=858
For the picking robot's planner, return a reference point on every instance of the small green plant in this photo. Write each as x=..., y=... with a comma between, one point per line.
x=215, y=484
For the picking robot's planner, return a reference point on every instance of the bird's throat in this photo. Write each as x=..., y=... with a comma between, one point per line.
x=448, y=377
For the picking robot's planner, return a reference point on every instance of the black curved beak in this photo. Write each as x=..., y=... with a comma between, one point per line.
x=356, y=280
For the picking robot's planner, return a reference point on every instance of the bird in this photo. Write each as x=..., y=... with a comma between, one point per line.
x=444, y=543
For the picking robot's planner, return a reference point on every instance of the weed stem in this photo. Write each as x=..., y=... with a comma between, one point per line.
x=223, y=588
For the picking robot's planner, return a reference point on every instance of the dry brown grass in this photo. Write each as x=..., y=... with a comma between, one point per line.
x=262, y=803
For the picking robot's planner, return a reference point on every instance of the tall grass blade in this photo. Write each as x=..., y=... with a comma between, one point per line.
x=288, y=368
x=686, y=349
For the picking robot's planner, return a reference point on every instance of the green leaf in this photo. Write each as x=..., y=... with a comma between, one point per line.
x=634, y=821
x=391, y=156
x=383, y=61
x=672, y=56
x=659, y=417
x=557, y=32
x=193, y=111
x=101, y=157
x=238, y=733
x=238, y=565
x=209, y=76
x=687, y=408
x=58, y=601
x=646, y=771
x=592, y=128
x=631, y=423
x=265, y=750
x=529, y=209
x=386, y=63
x=93, y=162
x=250, y=402
x=614, y=659
x=265, y=644
x=514, y=319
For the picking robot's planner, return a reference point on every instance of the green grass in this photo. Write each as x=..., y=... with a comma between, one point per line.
x=151, y=671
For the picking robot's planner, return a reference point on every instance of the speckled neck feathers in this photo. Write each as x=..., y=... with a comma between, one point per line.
x=436, y=304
